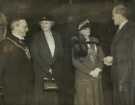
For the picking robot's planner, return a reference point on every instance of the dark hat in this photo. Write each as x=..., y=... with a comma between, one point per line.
x=47, y=18
x=84, y=24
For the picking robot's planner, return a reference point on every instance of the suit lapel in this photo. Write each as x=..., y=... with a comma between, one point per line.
x=119, y=35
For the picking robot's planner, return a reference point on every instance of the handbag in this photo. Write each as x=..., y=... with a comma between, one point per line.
x=50, y=84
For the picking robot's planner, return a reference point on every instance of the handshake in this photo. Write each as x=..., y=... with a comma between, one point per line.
x=108, y=60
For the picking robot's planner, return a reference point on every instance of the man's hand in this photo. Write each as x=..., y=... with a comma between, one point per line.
x=108, y=60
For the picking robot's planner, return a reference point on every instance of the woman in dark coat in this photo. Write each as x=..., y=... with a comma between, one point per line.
x=87, y=59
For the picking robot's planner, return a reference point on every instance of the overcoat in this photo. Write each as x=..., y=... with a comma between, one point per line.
x=42, y=61
x=16, y=73
x=123, y=68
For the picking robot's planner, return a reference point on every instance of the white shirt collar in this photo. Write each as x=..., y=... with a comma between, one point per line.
x=122, y=24
x=17, y=36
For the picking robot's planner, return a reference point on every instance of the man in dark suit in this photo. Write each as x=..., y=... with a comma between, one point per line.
x=16, y=73
x=123, y=58
x=47, y=54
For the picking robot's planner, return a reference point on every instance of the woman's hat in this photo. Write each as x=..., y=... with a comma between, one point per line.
x=84, y=24
x=47, y=18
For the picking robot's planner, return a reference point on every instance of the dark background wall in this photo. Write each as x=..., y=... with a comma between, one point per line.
x=35, y=7
x=62, y=10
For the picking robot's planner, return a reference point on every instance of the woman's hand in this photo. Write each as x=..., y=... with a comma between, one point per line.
x=94, y=73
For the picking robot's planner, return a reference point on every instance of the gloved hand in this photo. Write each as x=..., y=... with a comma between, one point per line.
x=94, y=73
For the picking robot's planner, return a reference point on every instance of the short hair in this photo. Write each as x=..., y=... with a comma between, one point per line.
x=121, y=9
x=13, y=23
